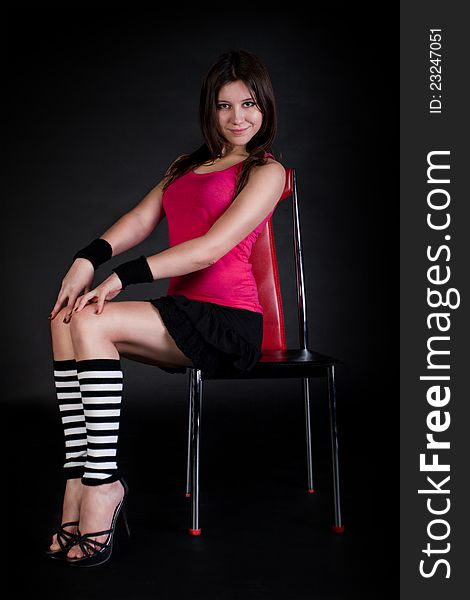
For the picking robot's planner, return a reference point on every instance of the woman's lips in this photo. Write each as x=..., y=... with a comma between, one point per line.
x=239, y=131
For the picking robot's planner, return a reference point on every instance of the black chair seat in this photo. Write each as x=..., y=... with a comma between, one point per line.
x=278, y=364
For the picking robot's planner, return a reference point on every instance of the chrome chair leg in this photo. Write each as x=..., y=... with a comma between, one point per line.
x=306, y=391
x=338, y=526
x=190, y=432
x=196, y=422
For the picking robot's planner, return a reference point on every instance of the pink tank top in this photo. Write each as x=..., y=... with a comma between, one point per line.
x=192, y=204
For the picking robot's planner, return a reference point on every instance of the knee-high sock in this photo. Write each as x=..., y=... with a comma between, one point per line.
x=72, y=415
x=101, y=382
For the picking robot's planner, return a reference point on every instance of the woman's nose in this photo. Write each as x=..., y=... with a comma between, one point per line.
x=238, y=116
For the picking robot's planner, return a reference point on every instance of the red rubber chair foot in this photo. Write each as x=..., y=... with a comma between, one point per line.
x=188, y=495
x=195, y=531
x=311, y=491
x=338, y=528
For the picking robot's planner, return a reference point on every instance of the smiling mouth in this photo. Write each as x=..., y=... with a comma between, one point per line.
x=239, y=130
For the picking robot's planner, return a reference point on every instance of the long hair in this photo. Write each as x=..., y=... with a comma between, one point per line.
x=229, y=67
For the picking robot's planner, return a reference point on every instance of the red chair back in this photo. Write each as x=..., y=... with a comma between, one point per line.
x=266, y=273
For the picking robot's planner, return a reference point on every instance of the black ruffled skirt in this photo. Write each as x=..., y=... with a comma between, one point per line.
x=213, y=336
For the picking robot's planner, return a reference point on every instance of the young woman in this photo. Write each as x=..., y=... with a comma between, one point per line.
x=217, y=200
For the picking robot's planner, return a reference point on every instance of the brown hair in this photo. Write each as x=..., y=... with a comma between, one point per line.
x=229, y=67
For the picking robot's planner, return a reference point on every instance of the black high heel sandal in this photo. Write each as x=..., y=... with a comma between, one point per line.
x=96, y=553
x=65, y=539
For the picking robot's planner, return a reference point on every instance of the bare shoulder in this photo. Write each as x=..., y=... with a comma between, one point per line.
x=272, y=170
x=273, y=161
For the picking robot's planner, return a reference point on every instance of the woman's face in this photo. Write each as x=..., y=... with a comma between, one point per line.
x=239, y=118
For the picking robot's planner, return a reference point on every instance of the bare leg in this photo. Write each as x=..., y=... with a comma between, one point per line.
x=134, y=330
x=131, y=329
x=62, y=349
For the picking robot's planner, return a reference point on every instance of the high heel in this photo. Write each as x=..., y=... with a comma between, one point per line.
x=65, y=539
x=96, y=553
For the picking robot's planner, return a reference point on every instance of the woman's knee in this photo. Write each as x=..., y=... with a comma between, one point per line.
x=57, y=323
x=86, y=321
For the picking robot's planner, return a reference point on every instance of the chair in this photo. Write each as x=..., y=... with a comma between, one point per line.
x=276, y=361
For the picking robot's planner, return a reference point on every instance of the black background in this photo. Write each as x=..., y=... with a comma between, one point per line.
x=99, y=102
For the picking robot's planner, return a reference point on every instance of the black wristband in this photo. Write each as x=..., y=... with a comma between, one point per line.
x=98, y=252
x=134, y=271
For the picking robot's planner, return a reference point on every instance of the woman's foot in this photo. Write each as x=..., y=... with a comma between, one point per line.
x=70, y=508
x=96, y=512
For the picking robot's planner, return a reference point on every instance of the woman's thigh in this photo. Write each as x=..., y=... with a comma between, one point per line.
x=136, y=329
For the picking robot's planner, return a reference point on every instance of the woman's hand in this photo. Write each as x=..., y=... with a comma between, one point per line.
x=106, y=291
x=79, y=278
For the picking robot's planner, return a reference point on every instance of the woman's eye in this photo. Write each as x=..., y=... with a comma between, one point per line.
x=246, y=104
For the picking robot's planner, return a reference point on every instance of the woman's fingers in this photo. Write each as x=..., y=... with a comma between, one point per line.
x=82, y=301
x=60, y=302
x=100, y=305
x=97, y=296
x=68, y=314
x=55, y=310
x=72, y=307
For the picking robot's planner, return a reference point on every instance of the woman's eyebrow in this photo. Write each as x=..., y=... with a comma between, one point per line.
x=227, y=102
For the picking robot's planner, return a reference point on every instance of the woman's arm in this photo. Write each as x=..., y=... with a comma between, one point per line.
x=253, y=204
x=128, y=231
x=138, y=223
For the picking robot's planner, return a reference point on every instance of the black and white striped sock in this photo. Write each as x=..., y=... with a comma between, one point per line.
x=72, y=415
x=101, y=382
